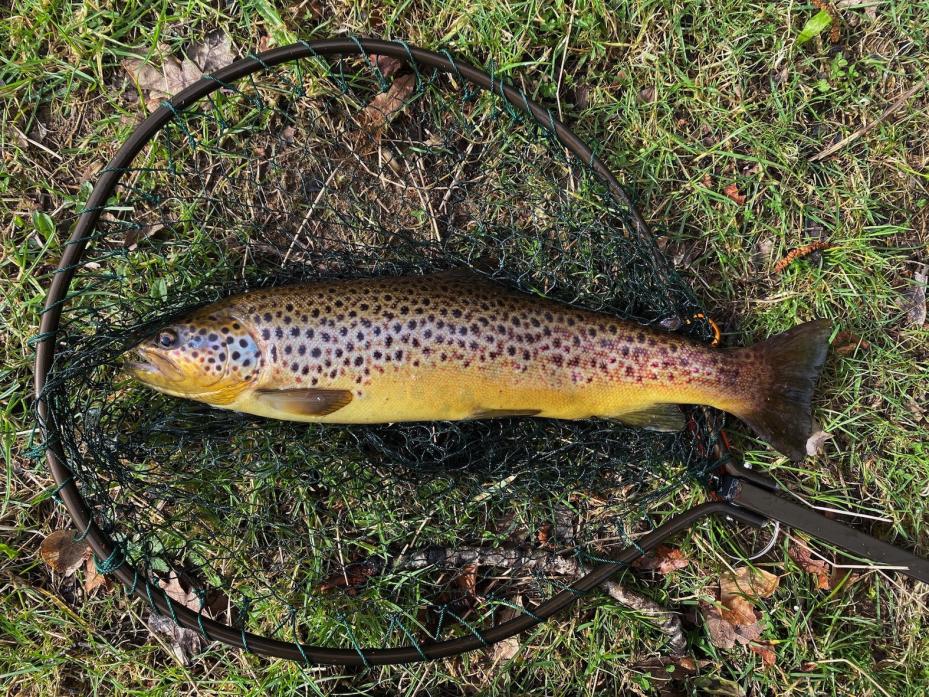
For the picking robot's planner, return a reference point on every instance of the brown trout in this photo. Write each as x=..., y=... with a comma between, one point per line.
x=455, y=346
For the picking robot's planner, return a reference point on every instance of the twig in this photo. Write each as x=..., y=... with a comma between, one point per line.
x=309, y=212
x=899, y=102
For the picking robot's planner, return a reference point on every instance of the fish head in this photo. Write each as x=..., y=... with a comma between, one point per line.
x=210, y=356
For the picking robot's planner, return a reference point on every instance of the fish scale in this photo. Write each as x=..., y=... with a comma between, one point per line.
x=448, y=346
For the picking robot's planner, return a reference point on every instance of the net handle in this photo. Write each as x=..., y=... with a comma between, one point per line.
x=101, y=543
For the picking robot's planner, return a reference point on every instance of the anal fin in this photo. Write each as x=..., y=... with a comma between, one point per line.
x=305, y=402
x=657, y=417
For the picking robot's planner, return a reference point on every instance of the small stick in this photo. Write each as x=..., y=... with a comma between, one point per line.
x=309, y=212
x=900, y=101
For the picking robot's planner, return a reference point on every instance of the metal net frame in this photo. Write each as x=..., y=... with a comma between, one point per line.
x=351, y=544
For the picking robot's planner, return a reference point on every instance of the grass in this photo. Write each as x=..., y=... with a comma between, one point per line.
x=683, y=99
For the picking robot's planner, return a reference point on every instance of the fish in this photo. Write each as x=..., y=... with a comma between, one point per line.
x=456, y=346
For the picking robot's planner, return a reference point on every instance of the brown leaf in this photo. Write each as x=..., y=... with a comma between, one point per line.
x=747, y=581
x=732, y=191
x=766, y=651
x=386, y=64
x=172, y=586
x=543, y=533
x=467, y=579
x=213, y=53
x=816, y=442
x=62, y=553
x=185, y=643
x=721, y=631
x=161, y=83
x=353, y=575
x=846, y=343
x=738, y=611
x=505, y=650
x=93, y=579
x=663, y=560
x=386, y=104
x=647, y=95
x=820, y=569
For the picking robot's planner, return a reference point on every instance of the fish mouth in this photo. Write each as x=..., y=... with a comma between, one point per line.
x=153, y=367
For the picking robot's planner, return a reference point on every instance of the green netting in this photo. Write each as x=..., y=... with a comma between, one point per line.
x=355, y=535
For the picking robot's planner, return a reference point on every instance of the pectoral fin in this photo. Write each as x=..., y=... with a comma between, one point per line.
x=658, y=417
x=308, y=402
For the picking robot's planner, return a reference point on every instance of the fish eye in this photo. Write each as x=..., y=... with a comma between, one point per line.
x=167, y=338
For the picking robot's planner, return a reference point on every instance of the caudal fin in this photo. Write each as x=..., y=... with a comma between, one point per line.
x=781, y=412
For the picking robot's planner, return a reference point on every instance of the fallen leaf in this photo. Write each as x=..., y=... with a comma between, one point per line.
x=93, y=579
x=663, y=560
x=816, y=442
x=721, y=632
x=185, y=643
x=162, y=83
x=386, y=64
x=916, y=298
x=732, y=191
x=173, y=588
x=63, y=553
x=647, y=95
x=846, y=343
x=738, y=612
x=467, y=579
x=213, y=53
x=707, y=181
x=505, y=650
x=745, y=634
x=352, y=576
x=814, y=26
x=766, y=651
x=386, y=104
x=747, y=581
x=804, y=559
x=543, y=534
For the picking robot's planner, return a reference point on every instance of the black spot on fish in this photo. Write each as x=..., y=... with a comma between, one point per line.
x=316, y=352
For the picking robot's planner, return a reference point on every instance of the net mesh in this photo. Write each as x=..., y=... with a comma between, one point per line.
x=349, y=536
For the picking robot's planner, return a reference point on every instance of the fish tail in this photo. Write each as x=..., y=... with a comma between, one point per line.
x=780, y=411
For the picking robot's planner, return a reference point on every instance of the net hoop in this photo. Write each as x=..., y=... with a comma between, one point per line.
x=67, y=491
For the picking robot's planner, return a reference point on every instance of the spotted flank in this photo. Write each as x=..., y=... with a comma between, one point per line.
x=456, y=346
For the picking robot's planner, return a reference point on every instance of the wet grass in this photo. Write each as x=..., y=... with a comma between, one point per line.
x=683, y=99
